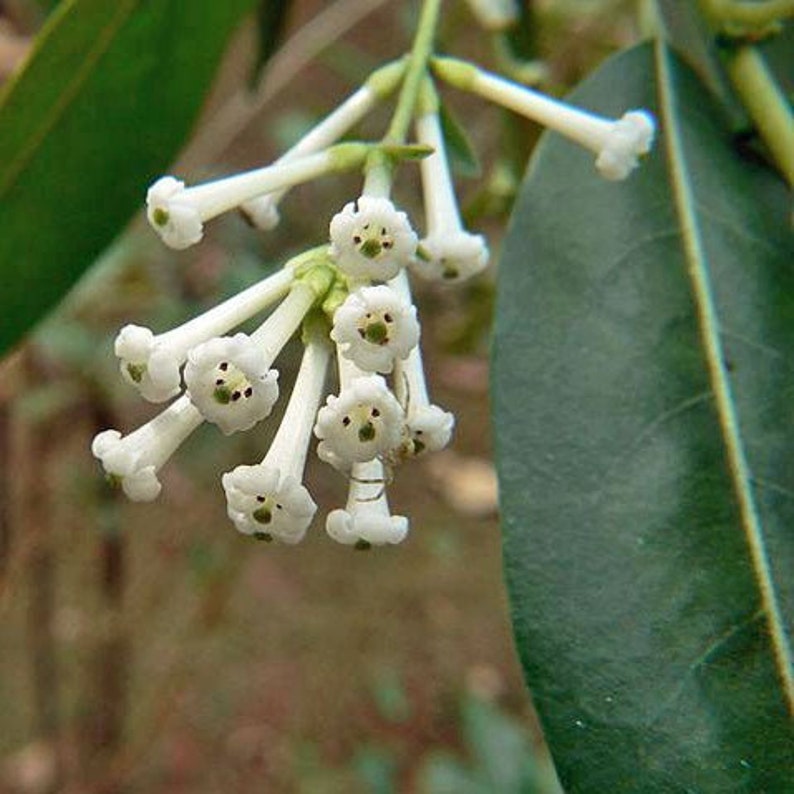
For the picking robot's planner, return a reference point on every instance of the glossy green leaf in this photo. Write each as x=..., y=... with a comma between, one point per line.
x=643, y=395
x=100, y=109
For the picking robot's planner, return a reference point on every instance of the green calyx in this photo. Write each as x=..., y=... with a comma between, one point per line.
x=384, y=81
x=348, y=156
x=263, y=515
x=335, y=297
x=319, y=276
x=458, y=73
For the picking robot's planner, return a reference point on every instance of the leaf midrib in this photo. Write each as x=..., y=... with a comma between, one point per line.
x=70, y=92
x=697, y=269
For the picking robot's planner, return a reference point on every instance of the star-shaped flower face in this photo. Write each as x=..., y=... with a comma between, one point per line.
x=266, y=505
x=451, y=257
x=374, y=327
x=371, y=239
x=363, y=422
x=228, y=379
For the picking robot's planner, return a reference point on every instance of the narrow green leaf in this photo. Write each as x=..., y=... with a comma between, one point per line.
x=462, y=156
x=100, y=109
x=643, y=384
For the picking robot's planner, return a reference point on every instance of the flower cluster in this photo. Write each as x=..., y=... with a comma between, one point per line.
x=350, y=297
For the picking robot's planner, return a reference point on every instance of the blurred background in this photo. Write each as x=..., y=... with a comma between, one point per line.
x=150, y=647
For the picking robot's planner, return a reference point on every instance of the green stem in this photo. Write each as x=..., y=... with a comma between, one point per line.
x=421, y=51
x=379, y=167
x=767, y=105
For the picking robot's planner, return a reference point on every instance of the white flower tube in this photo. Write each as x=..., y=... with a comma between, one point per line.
x=229, y=378
x=364, y=422
x=428, y=428
x=617, y=143
x=133, y=461
x=371, y=239
x=177, y=213
x=262, y=211
x=152, y=362
x=268, y=500
x=366, y=521
x=374, y=327
x=448, y=252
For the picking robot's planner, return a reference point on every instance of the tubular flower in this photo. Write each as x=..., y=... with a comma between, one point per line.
x=366, y=520
x=152, y=362
x=362, y=423
x=230, y=381
x=374, y=327
x=263, y=503
x=448, y=252
x=178, y=213
x=617, y=143
x=133, y=461
x=428, y=428
x=262, y=211
x=371, y=239
x=268, y=500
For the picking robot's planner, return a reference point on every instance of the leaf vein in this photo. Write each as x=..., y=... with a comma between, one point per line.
x=697, y=268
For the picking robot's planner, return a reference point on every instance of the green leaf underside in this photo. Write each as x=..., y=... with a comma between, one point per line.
x=643, y=393
x=99, y=111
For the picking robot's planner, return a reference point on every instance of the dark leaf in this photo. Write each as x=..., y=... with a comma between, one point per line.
x=101, y=108
x=643, y=391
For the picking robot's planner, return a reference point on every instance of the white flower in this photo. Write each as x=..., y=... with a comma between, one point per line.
x=363, y=422
x=371, y=239
x=153, y=370
x=134, y=460
x=266, y=504
x=230, y=381
x=452, y=256
x=268, y=500
x=178, y=213
x=374, y=327
x=429, y=428
x=448, y=252
x=175, y=219
x=617, y=143
x=494, y=15
x=366, y=521
x=152, y=362
x=629, y=137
